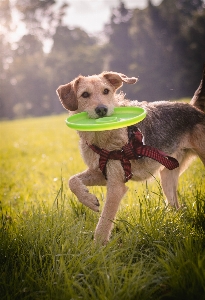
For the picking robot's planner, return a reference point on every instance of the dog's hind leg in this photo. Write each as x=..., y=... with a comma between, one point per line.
x=78, y=183
x=169, y=179
x=198, y=141
x=169, y=182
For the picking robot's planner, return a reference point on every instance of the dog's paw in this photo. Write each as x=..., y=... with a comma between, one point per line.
x=92, y=202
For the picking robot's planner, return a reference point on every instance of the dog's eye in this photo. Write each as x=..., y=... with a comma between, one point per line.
x=106, y=91
x=85, y=95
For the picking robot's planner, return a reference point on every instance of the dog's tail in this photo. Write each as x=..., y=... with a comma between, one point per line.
x=198, y=99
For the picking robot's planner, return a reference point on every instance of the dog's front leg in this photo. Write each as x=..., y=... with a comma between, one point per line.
x=78, y=183
x=116, y=189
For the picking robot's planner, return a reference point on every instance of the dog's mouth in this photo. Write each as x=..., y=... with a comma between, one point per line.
x=106, y=119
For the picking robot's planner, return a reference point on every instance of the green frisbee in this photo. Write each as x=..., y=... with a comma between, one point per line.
x=122, y=117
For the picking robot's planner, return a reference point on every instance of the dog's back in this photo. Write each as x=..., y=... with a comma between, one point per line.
x=167, y=123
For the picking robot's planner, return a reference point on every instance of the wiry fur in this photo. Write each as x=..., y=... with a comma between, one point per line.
x=177, y=129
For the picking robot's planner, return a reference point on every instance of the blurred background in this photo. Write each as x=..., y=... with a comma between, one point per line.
x=45, y=43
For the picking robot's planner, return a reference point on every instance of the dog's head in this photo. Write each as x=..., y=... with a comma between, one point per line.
x=93, y=94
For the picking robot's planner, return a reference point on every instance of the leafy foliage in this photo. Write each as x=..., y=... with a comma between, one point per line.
x=163, y=45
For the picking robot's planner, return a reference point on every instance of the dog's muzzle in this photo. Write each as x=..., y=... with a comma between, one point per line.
x=101, y=110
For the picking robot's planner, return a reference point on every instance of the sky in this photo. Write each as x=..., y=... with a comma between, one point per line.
x=92, y=15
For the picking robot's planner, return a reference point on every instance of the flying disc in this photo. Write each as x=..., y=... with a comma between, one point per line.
x=121, y=117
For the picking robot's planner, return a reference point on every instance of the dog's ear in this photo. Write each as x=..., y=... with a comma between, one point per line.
x=117, y=79
x=67, y=95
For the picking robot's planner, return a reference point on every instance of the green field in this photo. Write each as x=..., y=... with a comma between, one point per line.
x=46, y=237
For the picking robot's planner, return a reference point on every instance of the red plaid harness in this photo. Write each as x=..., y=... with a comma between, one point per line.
x=134, y=149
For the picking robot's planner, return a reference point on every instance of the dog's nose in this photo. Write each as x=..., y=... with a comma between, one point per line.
x=101, y=110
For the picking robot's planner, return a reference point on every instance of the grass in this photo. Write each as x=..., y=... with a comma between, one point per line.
x=46, y=236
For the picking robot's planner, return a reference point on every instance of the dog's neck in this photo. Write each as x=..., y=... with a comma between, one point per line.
x=105, y=139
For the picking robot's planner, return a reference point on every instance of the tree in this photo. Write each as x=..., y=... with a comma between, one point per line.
x=119, y=39
x=41, y=17
x=5, y=94
x=163, y=45
x=73, y=53
x=27, y=81
x=168, y=66
x=5, y=58
x=117, y=52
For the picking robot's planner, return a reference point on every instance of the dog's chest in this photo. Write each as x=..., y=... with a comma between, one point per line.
x=109, y=140
x=90, y=158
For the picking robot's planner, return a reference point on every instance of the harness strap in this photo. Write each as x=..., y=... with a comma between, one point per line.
x=115, y=155
x=134, y=149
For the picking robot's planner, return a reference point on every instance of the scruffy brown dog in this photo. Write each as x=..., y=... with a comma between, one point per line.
x=177, y=129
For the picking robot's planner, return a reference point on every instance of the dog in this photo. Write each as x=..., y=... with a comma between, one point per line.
x=177, y=129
